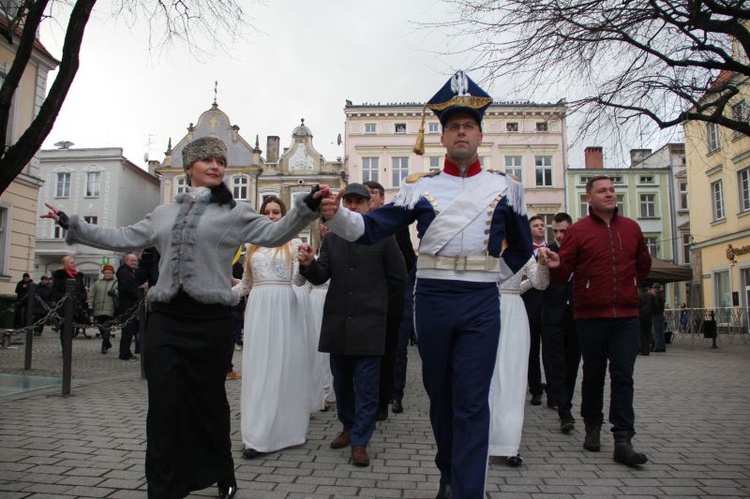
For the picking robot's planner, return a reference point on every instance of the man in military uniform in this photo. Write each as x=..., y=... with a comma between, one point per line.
x=466, y=217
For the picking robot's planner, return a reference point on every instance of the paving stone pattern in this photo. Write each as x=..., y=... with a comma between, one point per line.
x=692, y=412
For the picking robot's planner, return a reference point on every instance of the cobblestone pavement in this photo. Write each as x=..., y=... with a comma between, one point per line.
x=691, y=404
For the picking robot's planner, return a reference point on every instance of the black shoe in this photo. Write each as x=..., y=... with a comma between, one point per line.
x=251, y=453
x=536, y=399
x=514, y=461
x=129, y=357
x=104, y=349
x=592, y=440
x=382, y=414
x=227, y=491
x=567, y=425
x=397, y=407
x=624, y=452
x=444, y=492
x=551, y=405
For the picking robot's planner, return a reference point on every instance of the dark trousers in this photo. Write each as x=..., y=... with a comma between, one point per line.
x=126, y=336
x=458, y=325
x=660, y=344
x=405, y=330
x=104, y=331
x=355, y=381
x=562, y=355
x=534, y=376
x=646, y=340
x=388, y=361
x=613, y=341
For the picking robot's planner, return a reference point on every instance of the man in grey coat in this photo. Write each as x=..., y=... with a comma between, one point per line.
x=354, y=321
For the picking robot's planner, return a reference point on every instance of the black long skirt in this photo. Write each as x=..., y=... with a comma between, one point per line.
x=187, y=428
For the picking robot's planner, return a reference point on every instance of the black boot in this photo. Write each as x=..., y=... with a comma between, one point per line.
x=592, y=441
x=624, y=452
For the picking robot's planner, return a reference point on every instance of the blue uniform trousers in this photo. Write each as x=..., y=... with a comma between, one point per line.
x=458, y=325
x=404, y=333
x=356, y=380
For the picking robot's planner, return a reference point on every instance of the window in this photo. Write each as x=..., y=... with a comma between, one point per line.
x=484, y=161
x=583, y=206
x=739, y=113
x=621, y=204
x=93, y=180
x=723, y=295
x=648, y=206
x=743, y=182
x=58, y=232
x=646, y=179
x=511, y=126
x=91, y=220
x=433, y=127
x=684, y=195
x=241, y=187
x=4, y=238
x=371, y=128
x=616, y=180
x=542, y=126
x=63, y=185
x=712, y=137
x=435, y=163
x=514, y=167
x=543, y=171
x=400, y=128
x=549, y=236
x=369, y=169
x=400, y=170
x=181, y=184
x=717, y=200
x=652, y=244
x=686, y=248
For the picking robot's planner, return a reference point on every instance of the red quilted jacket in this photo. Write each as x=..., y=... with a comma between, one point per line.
x=608, y=261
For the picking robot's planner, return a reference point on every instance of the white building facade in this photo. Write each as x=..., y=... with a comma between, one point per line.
x=98, y=184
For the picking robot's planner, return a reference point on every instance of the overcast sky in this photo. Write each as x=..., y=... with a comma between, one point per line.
x=305, y=59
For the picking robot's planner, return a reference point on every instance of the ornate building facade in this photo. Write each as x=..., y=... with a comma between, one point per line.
x=286, y=173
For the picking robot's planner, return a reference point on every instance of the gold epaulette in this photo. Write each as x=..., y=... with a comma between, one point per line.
x=498, y=172
x=416, y=176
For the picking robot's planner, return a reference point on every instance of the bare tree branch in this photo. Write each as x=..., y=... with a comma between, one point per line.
x=619, y=59
x=188, y=21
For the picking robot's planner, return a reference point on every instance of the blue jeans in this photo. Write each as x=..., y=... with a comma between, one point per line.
x=613, y=342
x=356, y=381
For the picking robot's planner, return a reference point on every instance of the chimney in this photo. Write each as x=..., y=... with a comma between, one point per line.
x=638, y=155
x=272, y=148
x=594, y=157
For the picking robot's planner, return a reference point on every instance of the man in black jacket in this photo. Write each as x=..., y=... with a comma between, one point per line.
x=128, y=294
x=354, y=321
x=561, y=351
x=533, y=300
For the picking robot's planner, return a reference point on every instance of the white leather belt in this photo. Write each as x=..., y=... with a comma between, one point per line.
x=459, y=263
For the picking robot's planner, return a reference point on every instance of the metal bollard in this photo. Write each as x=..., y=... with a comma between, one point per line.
x=67, y=334
x=30, y=302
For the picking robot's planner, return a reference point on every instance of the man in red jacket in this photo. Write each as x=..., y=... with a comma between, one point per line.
x=608, y=255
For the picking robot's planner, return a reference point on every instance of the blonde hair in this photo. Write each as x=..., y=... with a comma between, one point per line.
x=254, y=247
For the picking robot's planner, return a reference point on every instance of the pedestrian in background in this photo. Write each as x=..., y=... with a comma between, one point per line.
x=657, y=318
x=80, y=293
x=129, y=293
x=103, y=303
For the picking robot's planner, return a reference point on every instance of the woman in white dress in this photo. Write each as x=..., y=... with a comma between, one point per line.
x=508, y=388
x=275, y=399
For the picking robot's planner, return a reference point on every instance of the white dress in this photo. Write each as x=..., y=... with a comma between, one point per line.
x=508, y=387
x=275, y=371
x=324, y=378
